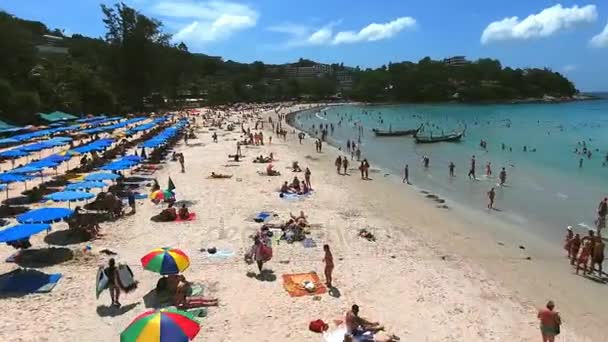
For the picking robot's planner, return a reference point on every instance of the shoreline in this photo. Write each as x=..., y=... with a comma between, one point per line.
x=547, y=274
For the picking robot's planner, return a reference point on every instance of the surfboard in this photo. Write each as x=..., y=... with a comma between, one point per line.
x=126, y=279
x=101, y=281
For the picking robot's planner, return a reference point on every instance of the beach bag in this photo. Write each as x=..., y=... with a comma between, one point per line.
x=265, y=252
x=318, y=326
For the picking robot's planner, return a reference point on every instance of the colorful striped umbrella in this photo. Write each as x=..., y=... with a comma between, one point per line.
x=166, y=261
x=165, y=325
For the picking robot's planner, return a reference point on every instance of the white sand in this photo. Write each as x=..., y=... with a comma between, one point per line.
x=401, y=280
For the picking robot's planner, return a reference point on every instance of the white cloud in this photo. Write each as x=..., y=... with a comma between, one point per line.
x=546, y=23
x=374, y=31
x=600, y=40
x=570, y=67
x=302, y=35
x=201, y=22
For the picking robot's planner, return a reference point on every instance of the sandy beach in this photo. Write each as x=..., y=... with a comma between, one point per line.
x=433, y=274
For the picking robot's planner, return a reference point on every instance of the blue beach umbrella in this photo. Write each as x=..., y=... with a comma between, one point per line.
x=101, y=176
x=69, y=196
x=27, y=169
x=86, y=185
x=8, y=178
x=45, y=215
x=13, y=154
x=22, y=231
x=118, y=166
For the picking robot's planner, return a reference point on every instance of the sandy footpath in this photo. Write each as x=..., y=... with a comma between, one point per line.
x=410, y=281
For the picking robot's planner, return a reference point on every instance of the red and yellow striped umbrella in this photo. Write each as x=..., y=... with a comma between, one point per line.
x=166, y=261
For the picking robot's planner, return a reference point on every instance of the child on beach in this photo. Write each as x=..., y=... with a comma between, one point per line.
x=328, y=259
x=584, y=257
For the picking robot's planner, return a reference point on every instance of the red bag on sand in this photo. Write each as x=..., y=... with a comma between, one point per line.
x=318, y=326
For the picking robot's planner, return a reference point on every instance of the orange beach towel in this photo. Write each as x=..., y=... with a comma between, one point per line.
x=294, y=284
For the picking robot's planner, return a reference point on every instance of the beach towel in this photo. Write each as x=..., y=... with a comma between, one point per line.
x=293, y=196
x=294, y=284
x=191, y=217
x=337, y=335
x=28, y=281
x=221, y=254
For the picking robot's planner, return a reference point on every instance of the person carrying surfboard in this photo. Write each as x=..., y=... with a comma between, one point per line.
x=112, y=273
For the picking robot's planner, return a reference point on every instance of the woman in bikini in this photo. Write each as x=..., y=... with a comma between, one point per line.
x=328, y=259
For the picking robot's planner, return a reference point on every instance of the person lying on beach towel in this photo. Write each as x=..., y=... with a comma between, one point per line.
x=219, y=176
x=367, y=235
x=261, y=159
x=176, y=287
x=167, y=215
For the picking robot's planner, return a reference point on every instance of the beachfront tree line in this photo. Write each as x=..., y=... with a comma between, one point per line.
x=136, y=66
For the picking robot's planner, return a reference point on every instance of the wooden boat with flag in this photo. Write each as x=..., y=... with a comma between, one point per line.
x=391, y=133
x=453, y=137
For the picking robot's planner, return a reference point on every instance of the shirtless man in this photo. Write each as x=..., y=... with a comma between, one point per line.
x=338, y=164
x=598, y=255
x=575, y=246
x=503, y=176
x=356, y=326
x=472, y=169
x=491, y=196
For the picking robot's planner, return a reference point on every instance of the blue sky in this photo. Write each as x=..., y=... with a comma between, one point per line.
x=568, y=36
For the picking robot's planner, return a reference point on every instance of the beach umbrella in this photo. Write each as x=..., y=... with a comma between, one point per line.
x=69, y=196
x=101, y=176
x=86, y=185
x=22, y=231
x=27, y=169
x=157, y=195
x=45, y=215
x=8, y=178
x=118, y=166
x=166, y=261
x=13, y=154
x=164, y=325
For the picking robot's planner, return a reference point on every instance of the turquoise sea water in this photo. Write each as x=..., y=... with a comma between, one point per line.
x=546, y=189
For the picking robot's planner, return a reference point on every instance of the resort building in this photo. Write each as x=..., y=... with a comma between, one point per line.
x=52, y=45
x=456, y=61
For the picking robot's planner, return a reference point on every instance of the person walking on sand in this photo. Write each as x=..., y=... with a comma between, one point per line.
x=472, y=169
x=491, y=196
x=269, y=140
x=345, y=165
x=320, y=146
x=597, y=258
x=602, y=211
x=238, y=148
x=568, y=240
x=307, y=178
x=358, y=154
x=362, y=169
x=338, y=164
x=214, y=136
x=131, y=200
x=406, y=174
x=366, y=168
x=489, y=169
x=111, y=273
x=550, y=322
x=328, y=259
x=575, y=246
x=180, y=158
